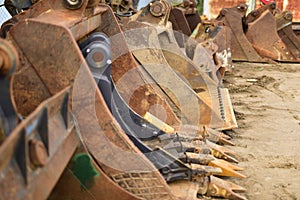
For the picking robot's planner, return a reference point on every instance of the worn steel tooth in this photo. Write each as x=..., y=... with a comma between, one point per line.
x=186, y=136
x=205, y=159
x=227, y=169
x=222, y=155
x=221, y=148
x=206, y=170
x=202, y=159
x=200, y=147
x=232, y=166
x=225, y=141
x=220, y=188
x=218, y=137
x=218, y=133
x=216, y=150
x=224, y=136
x=234, y=187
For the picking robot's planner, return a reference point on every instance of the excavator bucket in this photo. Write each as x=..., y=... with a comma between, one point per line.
x=57, y=33
x=35, y=154
x=220, y=35
x=186, y=22
x=160, y=56
x=286, y=33
x=241, y=48
x=268, y=45
x=284, y=28
x=250, y=41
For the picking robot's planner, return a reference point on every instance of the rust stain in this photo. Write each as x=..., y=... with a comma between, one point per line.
x=291, y=5
x=216, y=5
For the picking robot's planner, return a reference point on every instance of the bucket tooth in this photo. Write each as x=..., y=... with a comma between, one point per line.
x=221, y=148
x=202, y=147
x=232, y=166
x=220, y=188
x=227, y=169
x=198, y=147
x=202, y=159
x=218, y=133
x=225, y=142
x=227, y=184
x=218, y=137
x=227, y=137
x=222, y=155
x=207, y=170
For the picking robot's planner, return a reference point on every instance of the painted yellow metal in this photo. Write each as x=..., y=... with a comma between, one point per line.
x=158, y=123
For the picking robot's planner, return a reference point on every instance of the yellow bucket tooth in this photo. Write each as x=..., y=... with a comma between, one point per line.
x=226, y=169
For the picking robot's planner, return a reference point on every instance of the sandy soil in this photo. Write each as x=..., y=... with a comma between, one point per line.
x=266, y=100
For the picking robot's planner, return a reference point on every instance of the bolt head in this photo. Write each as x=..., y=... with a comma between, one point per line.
x=38, y=153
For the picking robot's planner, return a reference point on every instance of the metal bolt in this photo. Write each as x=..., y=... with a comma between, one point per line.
x=157, y=9
x=214, y=190
x=243, y=7
x=223, y=12
x=73, y=4
x=38, y=153
x=165, y=170
x=288, y=16
x=273, y=5
x=255, y=13
x=186, y=3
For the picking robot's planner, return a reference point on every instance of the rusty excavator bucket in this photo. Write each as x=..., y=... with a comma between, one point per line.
x=184, y=17
x=37, y=151
x=63, y=65
x=92, y=127
x=214, y=36
x=268, y=45
x=139, y=34
x=220, y=35
x=285, y=31
x=241, y=48
x=250, y=41
x=160, y=55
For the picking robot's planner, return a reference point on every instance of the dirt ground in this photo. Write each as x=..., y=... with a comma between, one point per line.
x=266, y=100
